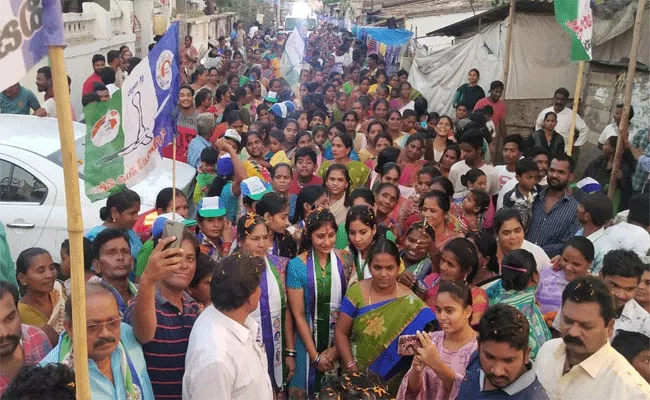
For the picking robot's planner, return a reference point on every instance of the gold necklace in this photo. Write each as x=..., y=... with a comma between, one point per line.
x=370, y=291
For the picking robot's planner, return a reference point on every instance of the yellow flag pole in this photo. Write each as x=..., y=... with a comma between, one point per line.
x=75, y=221
x=576, y=103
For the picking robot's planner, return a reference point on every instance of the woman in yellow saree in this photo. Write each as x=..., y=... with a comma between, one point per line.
x=374, y=314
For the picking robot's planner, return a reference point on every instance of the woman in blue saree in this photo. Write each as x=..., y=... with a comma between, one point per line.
x=316, y=284
x=375, y=313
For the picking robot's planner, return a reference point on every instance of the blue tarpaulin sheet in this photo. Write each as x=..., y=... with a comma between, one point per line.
x=387, y=36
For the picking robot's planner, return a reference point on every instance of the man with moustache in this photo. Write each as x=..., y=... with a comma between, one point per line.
x=116, y=365
x=112, y=260
x=554, y=214
x=501, y=368
x=20, y=345
x=582, y=364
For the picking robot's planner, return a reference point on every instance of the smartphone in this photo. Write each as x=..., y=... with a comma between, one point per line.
x=407, y=345
x=175, y=229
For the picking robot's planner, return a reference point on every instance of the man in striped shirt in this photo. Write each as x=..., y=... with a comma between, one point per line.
x=162, y=314
x=554, y=218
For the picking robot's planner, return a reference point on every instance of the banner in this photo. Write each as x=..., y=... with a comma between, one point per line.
x=294, y=53
x=125, y=134
x=27, y=28
x=574, y=16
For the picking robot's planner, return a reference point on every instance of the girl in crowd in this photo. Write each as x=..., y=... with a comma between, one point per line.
x=215, y=234
x=374, y=313
x=309, y=198
x=121, y=212
x=163, y=206
x=337, y=182
x=575, y=262
x=276, y=153
x=281, y=177
x=341, y=148
x=447, y=352
x=369, y=153
x=411, y=159
x=423, y=185
x=351, y=121
x=450, y=156
x=43, y=298
x=362, y=197
x=199, y=287
x=458, y=262
x=272, y=313
x=519, y=278
x=488, y=266
x=394, y=128
x=361, y=228
x=290, y=130
x=319, y=134
x=274, y=208
x=316, y=284
x=434, y=209
x=547, y=138
x=472, y=212
x=473, y=179
x=254, y=142
x=510, y=237
x=469, y=93
x=361, y=108
x=444, y=130
x=415, y=255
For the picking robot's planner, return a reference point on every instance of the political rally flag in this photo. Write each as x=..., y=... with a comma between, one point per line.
x=294, y=53
x=27, y=29
x=124, y=135
x=574, y=16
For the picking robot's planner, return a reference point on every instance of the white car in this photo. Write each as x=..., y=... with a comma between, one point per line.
x=32, y=196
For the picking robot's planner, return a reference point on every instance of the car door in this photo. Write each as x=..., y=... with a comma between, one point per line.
x=26, y=200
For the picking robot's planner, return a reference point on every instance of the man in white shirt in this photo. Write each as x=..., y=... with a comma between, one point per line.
x=612, y=129
x=563, y=126
x=471, y=145
x=594, y=211
x=223, y=359
x=582, y=364
x=512, y=150
x=633, y=234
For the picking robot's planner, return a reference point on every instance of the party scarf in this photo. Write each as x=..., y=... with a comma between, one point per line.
x=132, y=384
x=270, y=315
x=324, y=313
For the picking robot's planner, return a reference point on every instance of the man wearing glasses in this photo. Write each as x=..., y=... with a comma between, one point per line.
x=115, y=360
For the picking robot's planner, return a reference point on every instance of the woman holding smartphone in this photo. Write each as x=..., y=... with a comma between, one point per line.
x=374, y=313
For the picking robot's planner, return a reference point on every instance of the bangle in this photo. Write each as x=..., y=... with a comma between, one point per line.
x=316, y=360
x=290, y=353
x=351, y=364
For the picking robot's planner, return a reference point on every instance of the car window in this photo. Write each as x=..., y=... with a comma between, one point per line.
x=18, y=185
x=80, y=146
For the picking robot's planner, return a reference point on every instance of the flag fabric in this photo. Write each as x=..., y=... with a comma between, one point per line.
x=27, y=28
x=574, y=16
x=294, y=53
x=124, y=135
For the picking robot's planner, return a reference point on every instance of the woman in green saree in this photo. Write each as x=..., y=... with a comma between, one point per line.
x=374, y=314
x=342, y=145
x=517, y=287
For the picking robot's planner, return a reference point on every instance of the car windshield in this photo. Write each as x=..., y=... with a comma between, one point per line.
x=79, y=150
x=291, y=23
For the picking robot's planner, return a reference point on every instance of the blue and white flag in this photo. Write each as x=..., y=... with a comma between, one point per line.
x=125, y=135
x=294, y=53
x=27, y=28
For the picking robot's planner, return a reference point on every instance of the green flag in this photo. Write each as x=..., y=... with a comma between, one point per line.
x=104, y=140
x=574, y=16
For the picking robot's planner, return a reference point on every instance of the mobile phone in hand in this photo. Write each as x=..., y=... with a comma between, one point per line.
x=175, y=229
x=407, y=345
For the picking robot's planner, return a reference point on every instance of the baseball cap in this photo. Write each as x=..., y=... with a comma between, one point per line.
x=271, y=97
x=211, y=207
x=587, y=186
x=159, y=223
x=253, y=187
x=232, y=134
x=224, y=165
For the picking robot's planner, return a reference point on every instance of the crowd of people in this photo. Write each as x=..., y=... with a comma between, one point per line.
x=328, y=220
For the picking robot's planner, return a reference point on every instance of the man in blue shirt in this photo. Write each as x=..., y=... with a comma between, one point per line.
x=18, y=100
x=501, y=368
x=204, y=128
x=554, y=216
x=116, y=365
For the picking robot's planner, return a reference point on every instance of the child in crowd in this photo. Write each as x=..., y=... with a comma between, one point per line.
x=473, y=179
x=524, y=193
x=474, y=207
x=207, y=173
x=276, y=152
